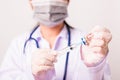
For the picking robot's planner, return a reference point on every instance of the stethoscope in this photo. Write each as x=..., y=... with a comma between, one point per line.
x=37, y=45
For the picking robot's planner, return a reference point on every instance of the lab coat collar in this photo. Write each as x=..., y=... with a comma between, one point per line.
x=63, y=33
x=37, y=34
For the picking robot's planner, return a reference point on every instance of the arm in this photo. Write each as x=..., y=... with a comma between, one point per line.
x=42, y=64
x=100, y=71
x=95, y=51
x=13, y=66
x=19, y=66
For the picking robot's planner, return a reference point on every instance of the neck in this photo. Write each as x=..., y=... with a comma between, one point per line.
x=50, y=33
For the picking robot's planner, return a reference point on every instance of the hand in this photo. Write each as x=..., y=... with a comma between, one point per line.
x=43, y=61
x=97, y=46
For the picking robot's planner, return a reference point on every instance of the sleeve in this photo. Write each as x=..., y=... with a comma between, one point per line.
x=13, y=66
x=100, y=72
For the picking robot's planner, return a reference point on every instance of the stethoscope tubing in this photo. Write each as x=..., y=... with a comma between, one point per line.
x=37, y=45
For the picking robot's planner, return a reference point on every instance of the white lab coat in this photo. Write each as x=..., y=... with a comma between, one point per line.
x=17, y=65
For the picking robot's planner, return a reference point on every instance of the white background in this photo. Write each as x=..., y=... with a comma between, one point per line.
x=16, y=18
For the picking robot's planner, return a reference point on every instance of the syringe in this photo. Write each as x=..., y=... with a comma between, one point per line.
x=71, y=47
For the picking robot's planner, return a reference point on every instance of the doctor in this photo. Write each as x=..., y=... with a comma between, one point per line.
x=34, y=55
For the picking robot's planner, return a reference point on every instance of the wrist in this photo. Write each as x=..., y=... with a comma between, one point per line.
x=91, y=59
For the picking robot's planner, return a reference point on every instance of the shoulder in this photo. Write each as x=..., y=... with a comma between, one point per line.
x=22, y=37
x=19, y=40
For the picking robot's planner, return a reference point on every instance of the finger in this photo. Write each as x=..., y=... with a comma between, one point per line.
x=47, y=54
x=41, y=69
x=54, y=53
x=100, y=29
x=107, y=37
x=49, y=51
x=51, y=56
x=52, y=59
x=99, y=50
x=103, y=35
x=47, y=59
x=96, y=49
x=97, y=43
x=88, y=38
x=102, y=32
x=45, y=62
x=45, y=68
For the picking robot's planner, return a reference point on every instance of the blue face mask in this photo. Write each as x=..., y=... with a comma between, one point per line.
x=50, y=12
